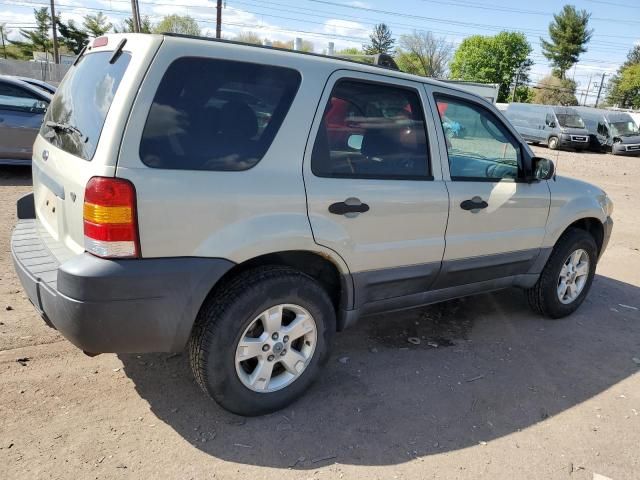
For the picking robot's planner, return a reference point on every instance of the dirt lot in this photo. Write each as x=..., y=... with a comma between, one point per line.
x=492, y=390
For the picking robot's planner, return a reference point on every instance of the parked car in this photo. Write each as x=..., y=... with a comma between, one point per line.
x=22, y=108
x=41, y=84
x=163, y=218
x=555, y=126
x=611, y=131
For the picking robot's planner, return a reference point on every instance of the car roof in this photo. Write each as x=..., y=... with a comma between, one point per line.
x=39, y=83
x=336, y=61
x=27, y=86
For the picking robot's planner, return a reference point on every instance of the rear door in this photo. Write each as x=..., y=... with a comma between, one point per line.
x=497, y=221
x=21, y=113
x=374, y=184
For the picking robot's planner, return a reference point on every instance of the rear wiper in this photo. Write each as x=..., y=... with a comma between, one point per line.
x=66, y=128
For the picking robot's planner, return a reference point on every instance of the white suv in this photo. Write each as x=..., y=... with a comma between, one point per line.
x=249, y=202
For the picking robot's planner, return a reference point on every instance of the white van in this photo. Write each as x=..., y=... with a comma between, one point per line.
x=555, y=126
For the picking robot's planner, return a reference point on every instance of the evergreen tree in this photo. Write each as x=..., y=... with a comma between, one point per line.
x=382, y=41
x=37, y=39
x=71, y=36
x=97, y=25
x=569, y=35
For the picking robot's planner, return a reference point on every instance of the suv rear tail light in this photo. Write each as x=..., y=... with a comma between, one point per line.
x=110, y=219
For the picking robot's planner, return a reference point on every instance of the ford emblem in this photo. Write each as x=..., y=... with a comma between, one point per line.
x=45, y=155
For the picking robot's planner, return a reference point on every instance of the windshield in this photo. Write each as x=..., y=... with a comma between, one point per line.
x=623, y=129
x=570, y=120
x=77, y=112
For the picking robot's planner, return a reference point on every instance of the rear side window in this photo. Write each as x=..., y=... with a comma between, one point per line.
x=19, y=99
x=82, y=102
x=371, y=130
x=211, y=114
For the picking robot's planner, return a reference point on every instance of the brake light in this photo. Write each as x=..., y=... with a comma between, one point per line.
x=110, y=220
x=100, y=42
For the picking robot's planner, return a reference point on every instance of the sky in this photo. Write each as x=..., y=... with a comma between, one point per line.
x=347, y=23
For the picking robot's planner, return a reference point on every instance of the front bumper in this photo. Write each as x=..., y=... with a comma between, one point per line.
x=608, y=227
x=574, y=141
x=121, y=306
x=619, y=148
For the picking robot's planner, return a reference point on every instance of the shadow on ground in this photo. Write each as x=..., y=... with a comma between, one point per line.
x=15, y=176
x=485, y=367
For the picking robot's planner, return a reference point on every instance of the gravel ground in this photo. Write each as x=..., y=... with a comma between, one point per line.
x=491, y=390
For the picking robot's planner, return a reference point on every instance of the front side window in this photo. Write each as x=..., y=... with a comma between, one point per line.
x=570, y=120
x=603, y=130
x=211, y=114
x=18, y=99
x=550, y=121
x=370, y=130
x=478, y=144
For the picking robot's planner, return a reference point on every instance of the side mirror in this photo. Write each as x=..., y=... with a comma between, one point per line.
x=543, y=168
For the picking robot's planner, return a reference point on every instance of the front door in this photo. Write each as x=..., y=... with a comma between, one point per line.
x=497, y=220
x=374, y=184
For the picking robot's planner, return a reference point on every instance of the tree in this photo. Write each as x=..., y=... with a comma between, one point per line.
x=248, y=37
x=555, y=91
x=306, y=45
x=97, y=25
x=72, y=37
x=178, y=24
x=127, y=26
x=492, y=59
x=423, y=54
x=36, y=39
x=569, y=34
x=616, y=95
x=524, y=94
x=349, y=51
x=4, y=31
x=629, y=85
x=382, y=41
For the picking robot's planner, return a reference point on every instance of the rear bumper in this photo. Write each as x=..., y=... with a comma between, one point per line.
x=122, y=306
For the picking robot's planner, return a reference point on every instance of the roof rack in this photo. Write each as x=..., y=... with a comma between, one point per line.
x=381, y=60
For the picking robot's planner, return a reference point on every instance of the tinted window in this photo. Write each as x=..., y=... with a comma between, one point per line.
x=216, y=114
x=478, y=144
x=82, y=103
x=371, y=131
x=19, y=99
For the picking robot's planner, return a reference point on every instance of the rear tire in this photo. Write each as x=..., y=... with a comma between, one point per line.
x=221, y=346
x=544, y=297
x=553, y=143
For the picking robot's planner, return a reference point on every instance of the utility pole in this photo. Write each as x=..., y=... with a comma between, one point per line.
x=600, y=89
x=219, y=19
x=56, y=58
x=135, y=16
x=4, y=47
x=586, y=94
x=515, y=87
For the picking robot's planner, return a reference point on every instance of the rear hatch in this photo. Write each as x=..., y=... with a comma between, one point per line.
x=82, y=130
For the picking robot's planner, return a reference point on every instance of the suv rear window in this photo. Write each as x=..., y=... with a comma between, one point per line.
x=82, y=102
x=211, y=114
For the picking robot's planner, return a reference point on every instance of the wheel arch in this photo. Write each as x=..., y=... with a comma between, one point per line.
x=592, y=225
x=322, y=267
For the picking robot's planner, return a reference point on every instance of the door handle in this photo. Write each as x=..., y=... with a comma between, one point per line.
x=475, y=204
x=349, y=206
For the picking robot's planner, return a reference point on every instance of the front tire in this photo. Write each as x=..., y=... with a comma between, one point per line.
x=260, y=342
x=553, y=143
x=567, y=276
